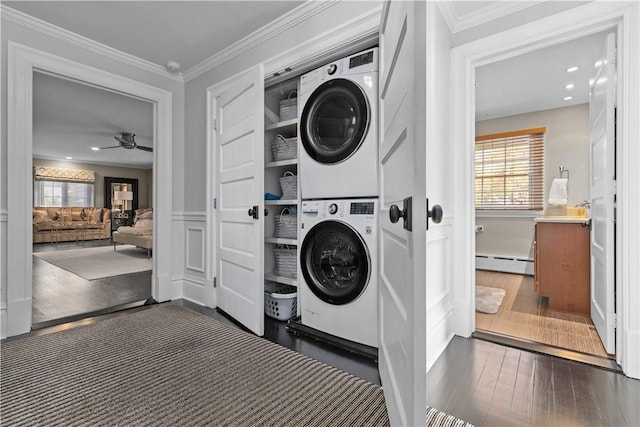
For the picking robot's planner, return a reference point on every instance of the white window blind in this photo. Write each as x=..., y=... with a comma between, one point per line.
x=509, y=170
x=63, y=194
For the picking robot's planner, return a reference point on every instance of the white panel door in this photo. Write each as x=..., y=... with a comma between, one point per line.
x=240, y=187
x=603, y=175
x=402, y=349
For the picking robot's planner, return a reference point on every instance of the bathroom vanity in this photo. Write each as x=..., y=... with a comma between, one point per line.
x=562, y=262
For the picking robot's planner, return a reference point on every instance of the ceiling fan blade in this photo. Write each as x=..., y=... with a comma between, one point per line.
x=142, y=147
x=113, y=146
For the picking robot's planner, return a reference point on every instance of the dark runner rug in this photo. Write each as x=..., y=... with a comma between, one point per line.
x=172, y=366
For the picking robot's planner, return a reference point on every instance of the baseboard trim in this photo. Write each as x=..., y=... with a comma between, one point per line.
x=504, y=263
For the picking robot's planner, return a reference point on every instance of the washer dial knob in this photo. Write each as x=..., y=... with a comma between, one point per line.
x=333, y=208
x=331, y=69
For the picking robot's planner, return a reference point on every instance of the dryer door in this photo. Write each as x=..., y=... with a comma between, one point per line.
x=335, y=262
x=335, y=121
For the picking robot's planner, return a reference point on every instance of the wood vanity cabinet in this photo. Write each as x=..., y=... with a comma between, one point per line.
x=562, y=268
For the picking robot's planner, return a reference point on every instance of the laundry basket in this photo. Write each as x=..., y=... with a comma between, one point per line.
x=284, y=148
x=286, y=225
x=280, y=301
x=285, y=262
x=289, y=107
x=289, y=186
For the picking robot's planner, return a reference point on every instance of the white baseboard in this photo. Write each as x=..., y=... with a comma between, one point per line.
x=504, y=263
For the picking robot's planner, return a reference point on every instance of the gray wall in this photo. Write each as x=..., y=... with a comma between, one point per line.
x=196, y=89
x=566, y=144
x=144, y=177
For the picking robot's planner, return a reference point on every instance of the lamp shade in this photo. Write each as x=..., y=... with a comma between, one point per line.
x=123, y=195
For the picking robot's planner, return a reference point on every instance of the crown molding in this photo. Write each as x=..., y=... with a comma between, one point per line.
x=67, y=36
x=272, y=29
x=457, y=23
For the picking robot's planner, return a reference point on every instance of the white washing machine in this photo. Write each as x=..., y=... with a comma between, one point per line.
x=339, y=264
x=339, y=128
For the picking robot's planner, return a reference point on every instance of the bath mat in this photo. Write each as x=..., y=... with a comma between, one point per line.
x=488, y=300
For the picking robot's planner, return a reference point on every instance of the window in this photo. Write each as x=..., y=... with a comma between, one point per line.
x=59, y=193
x=509, y=170
x=53, y=186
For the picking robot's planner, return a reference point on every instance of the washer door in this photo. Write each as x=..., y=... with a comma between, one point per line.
x=335, y=121
x=335, y=262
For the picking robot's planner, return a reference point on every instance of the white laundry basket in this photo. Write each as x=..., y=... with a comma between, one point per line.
x=280, y=301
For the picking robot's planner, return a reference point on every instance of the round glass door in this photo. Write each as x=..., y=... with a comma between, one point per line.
x=334, y=121
x=335, y=262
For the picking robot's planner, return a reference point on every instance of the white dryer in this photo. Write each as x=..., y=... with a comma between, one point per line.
x=339, y=264
x=339, y=130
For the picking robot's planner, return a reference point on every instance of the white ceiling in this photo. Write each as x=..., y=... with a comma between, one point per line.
x=190, y=32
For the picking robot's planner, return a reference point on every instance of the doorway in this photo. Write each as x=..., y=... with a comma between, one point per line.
x=22, y=62
x=526, y=91
x=76, y=272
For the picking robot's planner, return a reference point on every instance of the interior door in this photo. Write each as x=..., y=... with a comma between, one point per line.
x=240, y=179
x=402, y=349
x=602, y=140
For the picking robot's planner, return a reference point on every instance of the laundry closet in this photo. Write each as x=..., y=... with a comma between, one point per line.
x=312, y=188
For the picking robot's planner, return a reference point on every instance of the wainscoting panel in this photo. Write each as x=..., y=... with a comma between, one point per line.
x=189, y=282
x=3, y=274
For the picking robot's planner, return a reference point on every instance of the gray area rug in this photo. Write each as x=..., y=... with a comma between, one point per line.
x=488, y=299
x=100, y=262
x=169, y=365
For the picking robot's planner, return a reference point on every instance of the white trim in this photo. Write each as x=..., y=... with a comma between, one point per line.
x=22, y=61
x=495, y=10
x=504, y=263
x=274, y=28
x=3, y=215
x=67, y=36
x=194, y=216
x=577, y=22
x=199, y=269
x=193, y=290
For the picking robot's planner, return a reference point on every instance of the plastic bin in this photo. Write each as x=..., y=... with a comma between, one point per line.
x=280, y=301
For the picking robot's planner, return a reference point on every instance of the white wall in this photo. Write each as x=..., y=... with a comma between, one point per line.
x=566, y=143
x=44, y=41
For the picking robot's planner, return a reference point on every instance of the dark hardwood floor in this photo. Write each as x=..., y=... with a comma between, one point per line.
x=489, y=384
x=60, y=296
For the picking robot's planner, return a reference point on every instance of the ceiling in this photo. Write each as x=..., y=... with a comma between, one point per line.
x=190, y=32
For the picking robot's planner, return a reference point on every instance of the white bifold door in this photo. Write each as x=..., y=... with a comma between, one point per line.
x=602, y=105
x=239, y=158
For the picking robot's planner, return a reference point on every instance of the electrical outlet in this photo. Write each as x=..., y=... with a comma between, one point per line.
x=479, y=228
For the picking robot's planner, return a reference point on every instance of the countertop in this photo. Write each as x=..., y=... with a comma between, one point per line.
x=563, y=219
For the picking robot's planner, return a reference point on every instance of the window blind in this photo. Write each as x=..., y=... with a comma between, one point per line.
x=509, y=170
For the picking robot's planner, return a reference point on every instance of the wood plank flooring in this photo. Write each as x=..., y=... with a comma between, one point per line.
x=59, y=294
x=524, y=314
x=488, y=384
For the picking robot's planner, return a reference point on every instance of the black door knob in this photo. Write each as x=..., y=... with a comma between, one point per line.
x=395, y=213
x=435, y=214
x=253, y=212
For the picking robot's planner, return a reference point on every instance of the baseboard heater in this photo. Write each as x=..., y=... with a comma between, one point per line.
x=504, y=263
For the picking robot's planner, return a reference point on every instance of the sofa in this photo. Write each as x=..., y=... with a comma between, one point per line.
x=56, y=224
x=140, y=234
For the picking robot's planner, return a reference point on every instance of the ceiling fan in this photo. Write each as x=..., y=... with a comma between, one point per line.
x=126, y=140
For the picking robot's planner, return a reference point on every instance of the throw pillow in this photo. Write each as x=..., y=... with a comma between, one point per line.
x=146, y=215
x=40, y=216
x=144, y=223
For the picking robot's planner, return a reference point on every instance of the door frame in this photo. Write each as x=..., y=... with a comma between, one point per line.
x=574, y=23
x=22, y=62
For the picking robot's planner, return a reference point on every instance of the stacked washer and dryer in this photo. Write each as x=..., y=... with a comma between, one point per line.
x=339, y=187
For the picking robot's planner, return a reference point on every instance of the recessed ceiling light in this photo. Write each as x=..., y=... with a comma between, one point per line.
x=569, y=86
x=568, y=98
x=95, y=148
x=591, y=81
x=572, y=69
x=68, y=157
x=598, y=63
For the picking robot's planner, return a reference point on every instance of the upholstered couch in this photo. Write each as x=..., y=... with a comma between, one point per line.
x=55, y=224
x=140, y=234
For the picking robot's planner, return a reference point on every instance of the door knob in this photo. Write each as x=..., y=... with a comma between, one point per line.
x=435, y=213
x=253, y=212
x=395, y=213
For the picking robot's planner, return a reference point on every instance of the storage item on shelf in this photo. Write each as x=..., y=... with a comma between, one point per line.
x=284, y=148
x=280, y=301
x=289, y=107
x=286, y=225
x=270, y=196
x=289, y=186
x=285, y=262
